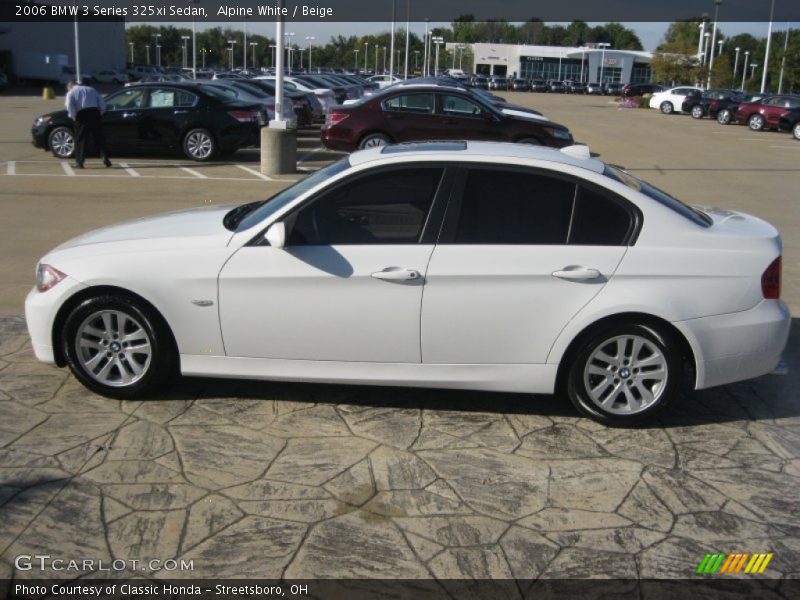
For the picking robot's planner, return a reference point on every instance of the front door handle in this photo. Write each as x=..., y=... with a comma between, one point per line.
x=128, y=115
x=577, y=273
x=397, y=274
x=179, y=112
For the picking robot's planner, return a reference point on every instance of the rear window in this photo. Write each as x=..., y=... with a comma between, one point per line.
x=696, y=216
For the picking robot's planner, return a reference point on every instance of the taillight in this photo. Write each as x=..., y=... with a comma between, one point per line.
x=244, y=116
x=335, y=118
x=771, y=280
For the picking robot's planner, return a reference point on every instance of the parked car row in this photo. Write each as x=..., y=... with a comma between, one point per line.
x=758, y=111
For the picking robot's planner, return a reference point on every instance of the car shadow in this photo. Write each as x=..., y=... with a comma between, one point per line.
x=766, y=398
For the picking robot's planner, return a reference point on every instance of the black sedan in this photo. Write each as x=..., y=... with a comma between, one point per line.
x=724, y=111
x=790, y=121
x=640, y=89
x=698, y=104
x=159, y=117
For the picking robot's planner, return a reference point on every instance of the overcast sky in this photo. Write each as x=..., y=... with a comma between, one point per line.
x=650, y=33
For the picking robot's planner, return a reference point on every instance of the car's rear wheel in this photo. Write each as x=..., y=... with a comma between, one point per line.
x=724, y=117
x=624, y=374
x=756, y=122
x=199, y=144
x=796, y=131
x=373, y=140
x=697, y=111
x=117, y=347
x=61, y=142
x=667, y=108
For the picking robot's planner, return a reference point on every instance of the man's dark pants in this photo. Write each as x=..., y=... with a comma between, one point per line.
x=89, y=121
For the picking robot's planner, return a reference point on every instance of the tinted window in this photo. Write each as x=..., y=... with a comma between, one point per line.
x=170, y=97
x=512, y=207
x=459, y=107
x=383, y=208
x=131, y=98
x=417, y=103
x=598, y=220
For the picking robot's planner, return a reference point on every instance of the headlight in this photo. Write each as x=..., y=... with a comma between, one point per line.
x=47, y=277
x=42, y=120
x=562, y=134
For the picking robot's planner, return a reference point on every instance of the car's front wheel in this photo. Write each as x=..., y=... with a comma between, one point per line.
x=796, y=131
x=117, y=347
x=724, y=117
x=667, y=108
x=624, y=374
x=373, y=140
x=697, y=111
x=756, y=122
x=61, y=142
x=199, y=144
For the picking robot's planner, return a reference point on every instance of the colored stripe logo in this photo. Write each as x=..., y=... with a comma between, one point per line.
x=736, y=562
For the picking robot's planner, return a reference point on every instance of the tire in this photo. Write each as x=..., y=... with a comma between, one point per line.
x=199, y=145
x=117, y=347
x=697, y=112
x=756, y=122
x=615, y=391
x=373, y=140
x=61, y=142
x=796, y=131
x=667, y=108
x=724, y=117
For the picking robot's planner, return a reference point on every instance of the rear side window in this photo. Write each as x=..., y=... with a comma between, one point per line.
x=512, y=207
x=415, y=103
x=599, y=220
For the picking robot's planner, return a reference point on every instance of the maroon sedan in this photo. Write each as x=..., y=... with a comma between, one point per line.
x=766, y=113
x=434, y=113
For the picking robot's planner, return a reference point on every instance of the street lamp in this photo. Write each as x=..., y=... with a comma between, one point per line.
x=416, y=59
x=766, y=52
x=384, y=59
x=185, y=39
x=301, y=50
x=377, y=49
x=706, y=35
x=744, y=70
x=719, y=43
x=309, y=39
x=273, y=46
x=253, y=50
x=438, y=40
x=232, y=43
x=736, y=62
x=366, y=55
x=289, y=34
x=753, y=67
x=156, y=46
x=603, y=45
x=147, y=49
x=203, y=54
x=158, y=54
x=355, y=62
x=713, y=42
x=131, y=45
x=425, y=51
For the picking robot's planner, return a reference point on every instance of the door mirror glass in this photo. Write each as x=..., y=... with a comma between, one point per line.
x=276, y=235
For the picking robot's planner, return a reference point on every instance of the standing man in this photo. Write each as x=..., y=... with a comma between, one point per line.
x=86, y=107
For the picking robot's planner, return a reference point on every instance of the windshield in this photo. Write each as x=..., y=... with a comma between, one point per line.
x=695, y=215
x=269, y=207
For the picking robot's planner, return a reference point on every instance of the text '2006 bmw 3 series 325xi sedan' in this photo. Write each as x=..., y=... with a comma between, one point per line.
x=469, y=265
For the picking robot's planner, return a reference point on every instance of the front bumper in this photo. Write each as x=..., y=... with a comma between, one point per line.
x=738, y=346
x=41, y=309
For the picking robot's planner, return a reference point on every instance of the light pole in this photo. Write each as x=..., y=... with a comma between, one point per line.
x=384, y=59
x=736, y=62
x=194, y=44
x=156, y=47
x=391, y=46
x=253, y=50
x=408, y=36
x=719, y=43
x=355, y=62
x=713, y=42
x=416, y=60
x=158, y=54
x=232, y=43
x=706, y=35
x=244, y=45
x=131, y=45
x=603, y=45
x=289, y=34
x=377, y=49
x=766, y=53
x=185, y=39
x=430, y=53
x=438, y=40
x=583, y=52
x=147, y=49
x=753, y=67
x=702, y=28
x=783, y=59
x=203, y=54
x=301, y=50
x=273, y=46
x=366, y=55
x=309, y=39
x=744, y=70
x=77, y=52
x=425, y=51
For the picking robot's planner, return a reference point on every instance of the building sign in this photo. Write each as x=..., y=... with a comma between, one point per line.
x=611, y=61
x=531, y=58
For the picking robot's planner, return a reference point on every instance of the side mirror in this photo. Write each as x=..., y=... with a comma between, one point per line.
x=276, y=235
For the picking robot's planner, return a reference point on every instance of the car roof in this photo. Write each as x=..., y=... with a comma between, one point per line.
x=454, y=150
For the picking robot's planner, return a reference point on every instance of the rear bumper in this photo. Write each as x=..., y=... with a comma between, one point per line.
x=331, y=141
x=738, y=346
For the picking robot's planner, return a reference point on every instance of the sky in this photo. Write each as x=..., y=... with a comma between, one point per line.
x=650, y=34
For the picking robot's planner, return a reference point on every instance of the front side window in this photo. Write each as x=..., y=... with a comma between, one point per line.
x=514, y=207
x=381, y=208
x=415, y=103
x=456, y=106
x=128, y=98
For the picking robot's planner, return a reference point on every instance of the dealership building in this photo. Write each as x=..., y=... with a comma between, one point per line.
x=590, y=63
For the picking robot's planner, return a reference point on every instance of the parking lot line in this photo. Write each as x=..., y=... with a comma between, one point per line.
x=794, y=146
x=256, y=173
x=11, y=168
x=197, y=174
x=67, y=169
x=129, y=170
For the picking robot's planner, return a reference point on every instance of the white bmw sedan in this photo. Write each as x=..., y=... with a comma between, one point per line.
x=670, y=101
x=466, y=265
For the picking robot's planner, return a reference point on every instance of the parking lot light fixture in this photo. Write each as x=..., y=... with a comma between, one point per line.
x=766, y=52
x=253, y=50
x=744, y=70
x=366, y=55
x=147, y=49
x=132, y=55
x=232, y=44
x=736, y=62
x=355, y=61
x=156, y=47
x=438, y=40
x=713, y=42
x=309, y=39
x=185, y=39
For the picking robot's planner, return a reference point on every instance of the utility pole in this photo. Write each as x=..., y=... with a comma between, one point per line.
x=713, y=42
x=783, y=59
x=766, y=53
x=408, y=35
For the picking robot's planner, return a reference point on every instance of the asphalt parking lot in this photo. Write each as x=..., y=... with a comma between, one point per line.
x=299, y=481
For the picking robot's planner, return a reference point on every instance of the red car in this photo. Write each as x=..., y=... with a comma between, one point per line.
x=766, y=113
x=419, y=113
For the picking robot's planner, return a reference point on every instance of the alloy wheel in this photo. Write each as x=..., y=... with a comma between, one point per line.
x=62, y=143
x=199, y=144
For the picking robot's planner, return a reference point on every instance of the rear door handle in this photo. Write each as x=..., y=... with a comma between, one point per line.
x=397, y=274
x=577, y=273
x=180, y=112
x=128, y=115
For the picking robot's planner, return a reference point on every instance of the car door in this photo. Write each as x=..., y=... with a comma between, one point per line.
x=521, y=252
x=777, y=106
x=169, y=110
x=462, y=118
x=409, y=116
x=122, y=118
x=348, y=284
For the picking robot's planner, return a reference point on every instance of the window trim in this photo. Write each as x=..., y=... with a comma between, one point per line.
x=453, y=209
